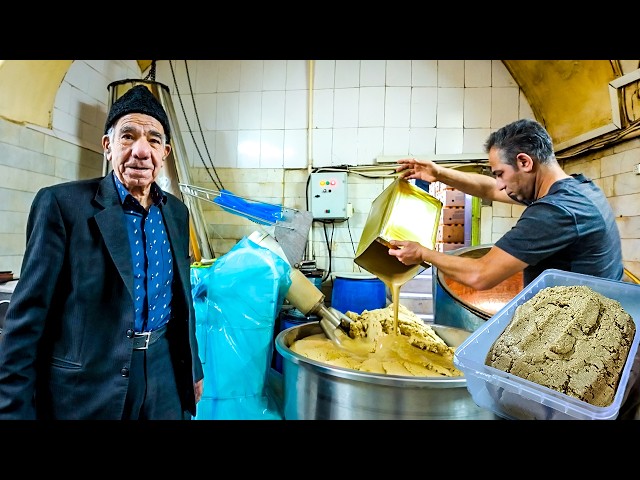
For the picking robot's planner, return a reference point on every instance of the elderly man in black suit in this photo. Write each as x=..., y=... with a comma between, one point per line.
x=101, y=324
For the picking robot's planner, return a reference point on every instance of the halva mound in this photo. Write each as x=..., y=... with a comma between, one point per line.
x=568, y=338
x=416, y=350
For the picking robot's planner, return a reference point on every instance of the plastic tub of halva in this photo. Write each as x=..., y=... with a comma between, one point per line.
x=513, y=397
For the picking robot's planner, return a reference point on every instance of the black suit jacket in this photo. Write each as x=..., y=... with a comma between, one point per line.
x=65, y=350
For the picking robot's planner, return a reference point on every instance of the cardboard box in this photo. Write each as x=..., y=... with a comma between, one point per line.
x=450, y=233
x=451, y=197
x=452, y=215
x=447, y=247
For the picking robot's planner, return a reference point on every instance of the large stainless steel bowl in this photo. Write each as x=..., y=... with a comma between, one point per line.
x=457, y=305
x=318, y=391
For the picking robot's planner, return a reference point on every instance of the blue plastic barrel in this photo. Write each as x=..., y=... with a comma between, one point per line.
x=291, y=318
x=357, y=292
x=294, y=317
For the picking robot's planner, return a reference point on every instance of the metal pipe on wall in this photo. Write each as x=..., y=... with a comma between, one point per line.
x=175, y=170
x=311, y=64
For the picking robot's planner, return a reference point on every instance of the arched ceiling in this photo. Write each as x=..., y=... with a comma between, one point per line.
x=570, y=97
x=29, y=89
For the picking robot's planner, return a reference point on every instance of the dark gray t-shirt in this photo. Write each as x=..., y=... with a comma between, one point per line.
x=572, y=228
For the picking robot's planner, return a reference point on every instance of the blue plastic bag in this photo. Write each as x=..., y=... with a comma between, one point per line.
x=237, y=301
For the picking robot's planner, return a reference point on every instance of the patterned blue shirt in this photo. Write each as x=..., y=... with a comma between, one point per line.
x=152, y=259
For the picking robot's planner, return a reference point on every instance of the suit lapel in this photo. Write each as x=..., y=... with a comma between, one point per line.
x=113, y=230
x=178, y=246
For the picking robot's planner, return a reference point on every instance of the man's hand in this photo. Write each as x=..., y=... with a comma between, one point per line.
x=408, y=252
x=410, y=168
x=198, y=389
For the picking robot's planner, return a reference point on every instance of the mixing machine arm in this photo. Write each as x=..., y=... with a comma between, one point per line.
x=308, y=298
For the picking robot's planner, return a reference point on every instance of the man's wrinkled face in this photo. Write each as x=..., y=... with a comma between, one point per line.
x=137, y=151
x=517, y=182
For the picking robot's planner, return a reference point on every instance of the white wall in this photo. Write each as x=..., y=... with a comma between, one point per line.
x=80, y=109
x=253, y=115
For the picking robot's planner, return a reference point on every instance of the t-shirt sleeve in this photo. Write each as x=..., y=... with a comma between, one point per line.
x=542, y=230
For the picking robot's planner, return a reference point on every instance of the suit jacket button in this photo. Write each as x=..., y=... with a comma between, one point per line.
x=124, y=372
x=130, y=333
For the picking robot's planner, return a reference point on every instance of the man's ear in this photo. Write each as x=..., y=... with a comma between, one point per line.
x=106, y=146
x=525, y=162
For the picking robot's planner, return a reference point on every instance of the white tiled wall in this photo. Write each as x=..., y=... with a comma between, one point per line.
x=81, y=102
x=256, y=115
x=361, y=109
x=249, y=118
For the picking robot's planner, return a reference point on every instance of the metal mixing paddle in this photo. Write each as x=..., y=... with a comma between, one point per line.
x=333, y=324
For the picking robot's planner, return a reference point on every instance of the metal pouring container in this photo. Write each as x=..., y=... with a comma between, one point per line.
x=401, y=212
x=318, y=391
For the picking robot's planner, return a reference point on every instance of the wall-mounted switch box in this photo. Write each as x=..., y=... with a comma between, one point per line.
x=328, y=192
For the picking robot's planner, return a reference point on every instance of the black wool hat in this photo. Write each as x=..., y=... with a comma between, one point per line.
x=138, y=99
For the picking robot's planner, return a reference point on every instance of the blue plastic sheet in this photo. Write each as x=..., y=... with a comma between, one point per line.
x=259, y=212
x=237, y=301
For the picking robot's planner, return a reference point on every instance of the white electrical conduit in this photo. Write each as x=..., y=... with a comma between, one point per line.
x=310, y=148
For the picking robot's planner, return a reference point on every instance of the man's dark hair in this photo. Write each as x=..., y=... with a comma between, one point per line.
x=522, y=136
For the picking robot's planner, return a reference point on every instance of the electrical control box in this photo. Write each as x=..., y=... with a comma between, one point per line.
x=328, y=193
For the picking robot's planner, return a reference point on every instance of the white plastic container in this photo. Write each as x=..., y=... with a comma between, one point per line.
x=512, y=397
